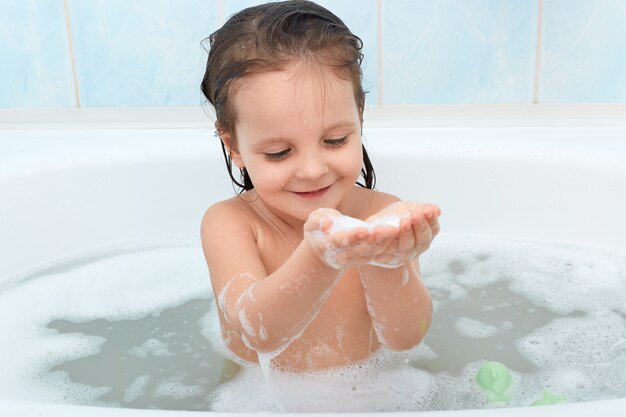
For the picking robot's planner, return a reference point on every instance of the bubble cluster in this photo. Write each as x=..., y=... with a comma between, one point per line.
x=383, y=383
x=152, y=346
x=113, y=283
x=555, y=315
x=345, y=223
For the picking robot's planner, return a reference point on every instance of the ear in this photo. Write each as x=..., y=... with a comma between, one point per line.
x=229, y=143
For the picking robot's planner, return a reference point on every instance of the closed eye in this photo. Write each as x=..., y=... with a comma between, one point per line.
x=277, y=156
x=334, y=143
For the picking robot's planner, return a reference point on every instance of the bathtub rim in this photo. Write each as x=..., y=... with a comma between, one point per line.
x=443, y=115
x=605, y=408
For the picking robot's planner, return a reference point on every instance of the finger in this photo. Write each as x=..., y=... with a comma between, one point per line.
x=373, y=238
x=406, y=241
x=359, y=253
x=432, y=213
x=421, y=228
x=390, y=253
x=358, y=235
x=434, y=228
x=384, y=237
x=385, y=232
x=418, y=218
x=348, y=238
x=385, y=246
x=423, y=238
x=388, y=258
x=325, y=224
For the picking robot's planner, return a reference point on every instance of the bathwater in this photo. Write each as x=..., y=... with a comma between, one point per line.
x=134, y=325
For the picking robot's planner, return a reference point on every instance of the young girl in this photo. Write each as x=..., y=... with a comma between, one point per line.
x=296, y=276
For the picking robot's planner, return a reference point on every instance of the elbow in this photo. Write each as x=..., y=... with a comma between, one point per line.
x=401, y=340
x=261, y=343
x=411, y=332
x=401, y=343
x=255, y=334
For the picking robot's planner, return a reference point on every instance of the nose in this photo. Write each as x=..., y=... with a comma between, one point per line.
x=311, y=166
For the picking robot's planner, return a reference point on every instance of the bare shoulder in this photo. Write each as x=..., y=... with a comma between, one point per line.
x=229, y=242
x=370, y=202
x=224, y=223
x=229, y=213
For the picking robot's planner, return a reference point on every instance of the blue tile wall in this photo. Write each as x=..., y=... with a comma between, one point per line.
x=584, y=51
x=140, y=52
x=148, y=52
x=456, y=51
x=35, y=63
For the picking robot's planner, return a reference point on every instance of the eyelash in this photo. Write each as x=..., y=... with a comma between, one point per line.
x=277, y=156
x=336, y=142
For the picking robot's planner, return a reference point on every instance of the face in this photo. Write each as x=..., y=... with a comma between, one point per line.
x=298, y=134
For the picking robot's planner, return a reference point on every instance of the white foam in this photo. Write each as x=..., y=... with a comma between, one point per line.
x=383, y=383
x=475, y=328
x=151, y=347
x=121, y=287
x=581, y=356
x=211, y=330
x=343, y=223
x=245, y=323
x=346, y=223
x=558, y=277
x=177, y=390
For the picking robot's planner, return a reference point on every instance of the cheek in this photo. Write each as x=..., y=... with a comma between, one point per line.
x=352, y=162
x=265, y=177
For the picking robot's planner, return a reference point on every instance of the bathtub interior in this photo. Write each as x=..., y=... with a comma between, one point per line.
x=65, y=191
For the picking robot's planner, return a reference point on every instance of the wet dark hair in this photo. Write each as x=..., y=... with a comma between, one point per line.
x=267, y=38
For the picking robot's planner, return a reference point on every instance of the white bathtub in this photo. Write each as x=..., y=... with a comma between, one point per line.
x=536, y=179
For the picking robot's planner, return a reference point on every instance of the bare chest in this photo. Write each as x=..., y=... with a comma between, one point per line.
x=341, y=332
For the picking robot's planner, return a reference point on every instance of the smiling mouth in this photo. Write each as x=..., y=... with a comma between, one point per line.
x=314, y=193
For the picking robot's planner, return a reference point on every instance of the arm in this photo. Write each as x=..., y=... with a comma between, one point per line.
x=399, y=304
x=398, y=301
x=269, y=310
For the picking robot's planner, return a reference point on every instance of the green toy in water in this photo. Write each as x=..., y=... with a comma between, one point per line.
x=495, y=378
x=550, y=398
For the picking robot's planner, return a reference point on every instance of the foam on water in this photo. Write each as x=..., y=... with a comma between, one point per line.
x=383, y=383
x=555, y=315
x=126, y=285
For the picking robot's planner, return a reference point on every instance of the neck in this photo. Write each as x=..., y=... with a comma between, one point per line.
x=277, y=219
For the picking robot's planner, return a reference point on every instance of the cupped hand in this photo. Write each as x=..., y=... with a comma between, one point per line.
x=418, y=225
x=345, y=247
x=379, y=240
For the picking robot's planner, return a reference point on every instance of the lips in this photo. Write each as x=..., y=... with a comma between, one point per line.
x=314, y=193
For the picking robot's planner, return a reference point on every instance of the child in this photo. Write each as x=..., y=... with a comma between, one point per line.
x=291, y=283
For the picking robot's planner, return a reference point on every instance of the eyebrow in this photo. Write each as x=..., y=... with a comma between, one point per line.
x=263, y=143
x=341, y=124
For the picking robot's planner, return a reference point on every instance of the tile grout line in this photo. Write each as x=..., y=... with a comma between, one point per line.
x=538, y=53
x=71, y=47
x=220, y=12
x=379, y=32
